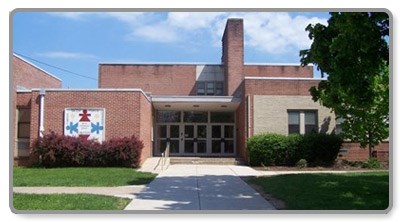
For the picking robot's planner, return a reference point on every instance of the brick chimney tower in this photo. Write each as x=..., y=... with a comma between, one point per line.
x=232, y=57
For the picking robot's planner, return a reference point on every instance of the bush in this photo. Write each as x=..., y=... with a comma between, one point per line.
x=372, y=163
x=302, y=163
x=64, y=151
x=275, y=149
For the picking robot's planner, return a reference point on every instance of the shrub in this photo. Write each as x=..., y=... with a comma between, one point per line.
x=275, y=149
x=321, y=149
x=302, y=163
x=372, y=163
x=64, y=151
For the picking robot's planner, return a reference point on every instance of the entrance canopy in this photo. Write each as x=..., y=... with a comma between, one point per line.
x=201, y=103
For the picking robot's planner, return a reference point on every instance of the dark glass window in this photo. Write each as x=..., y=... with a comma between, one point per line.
x=168, y=116
x=201, y=88
x=210, y=88
x=310, y=122
x=195, y=117
x=294, y=122
x=24, y=123
x=219, y=89
x=222, y=117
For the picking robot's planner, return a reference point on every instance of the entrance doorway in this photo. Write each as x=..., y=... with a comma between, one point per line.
x=195, y=133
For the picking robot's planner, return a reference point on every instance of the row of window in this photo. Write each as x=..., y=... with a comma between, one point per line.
x=304, y=125
x=210, y=88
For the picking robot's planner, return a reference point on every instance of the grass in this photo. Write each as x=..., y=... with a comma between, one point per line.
x=350, y=191
x=68, y=202
x=85, y=177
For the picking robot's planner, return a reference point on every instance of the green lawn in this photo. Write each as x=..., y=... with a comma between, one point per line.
x=350, y=191
x=86, y=177
x=68, y=202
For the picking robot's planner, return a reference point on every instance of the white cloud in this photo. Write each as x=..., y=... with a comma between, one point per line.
x=66, y=55
x=270, y=32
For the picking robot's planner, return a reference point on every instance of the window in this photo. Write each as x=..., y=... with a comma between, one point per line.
x=24, y=123
x=195, y=117
x=222, y=117
x=294, y=122
x=210, y=88
x=338, y=127
x=310, y=122
x=302, y=122
x=168, y=116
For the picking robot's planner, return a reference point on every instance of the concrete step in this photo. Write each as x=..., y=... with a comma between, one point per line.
x=207, y=160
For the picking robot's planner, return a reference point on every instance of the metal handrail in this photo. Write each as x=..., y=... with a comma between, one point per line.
x=165, y=156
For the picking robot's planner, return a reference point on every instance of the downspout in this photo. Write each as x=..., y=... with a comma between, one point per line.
x=42, y=93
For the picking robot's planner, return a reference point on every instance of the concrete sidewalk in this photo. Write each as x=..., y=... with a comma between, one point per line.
x=200, y=187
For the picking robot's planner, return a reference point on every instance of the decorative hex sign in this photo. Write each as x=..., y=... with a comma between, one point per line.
x=86, y=123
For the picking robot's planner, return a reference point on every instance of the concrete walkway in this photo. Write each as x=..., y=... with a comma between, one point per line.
x=200, y=187
x=122, y=191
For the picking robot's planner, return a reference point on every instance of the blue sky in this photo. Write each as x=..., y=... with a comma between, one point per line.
x=79, y=41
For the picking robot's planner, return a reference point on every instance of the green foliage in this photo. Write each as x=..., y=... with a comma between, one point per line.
x=280, y=150
x=79, y=177
x=68, y=202
x=353, y=50
x=302, y=163
x=372, y=163
x=349, y=191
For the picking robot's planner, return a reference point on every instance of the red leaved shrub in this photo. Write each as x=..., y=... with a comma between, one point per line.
x=56, y=150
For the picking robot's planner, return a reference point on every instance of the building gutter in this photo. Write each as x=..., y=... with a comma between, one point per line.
x=42, y=93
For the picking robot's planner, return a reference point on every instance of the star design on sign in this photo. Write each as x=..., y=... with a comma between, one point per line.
x=96, y=128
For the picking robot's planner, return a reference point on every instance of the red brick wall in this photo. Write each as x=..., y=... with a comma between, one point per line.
x=146, y=124
x=279, y=87
x=241, y=131
x=120, y=119
x=232, y=57
x=27, y=76
x=353, y=152
x=30, y=77
x=178, y=80
x=278, y=71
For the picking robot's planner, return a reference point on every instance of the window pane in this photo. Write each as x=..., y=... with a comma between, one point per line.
x=174, y=131
x=189, y=146
x=294, y=118
x=216, y=131
x=228, y=132
x=189, y=131
x=195, y=117
x=200, y=88
x=293, y=128
x=310, y=118
x=24, y=130
x=162, y=131
x=202, y=131
x=311, y=129
x=222, y=117
x=201, y=146
x=228, y=146
x=216, y=146
x=168, y=116
x=162, y=145
x=210, y=85
x=174, y=146
x=24, y=115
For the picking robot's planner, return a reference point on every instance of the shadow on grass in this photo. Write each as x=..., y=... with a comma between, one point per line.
x=351, y=191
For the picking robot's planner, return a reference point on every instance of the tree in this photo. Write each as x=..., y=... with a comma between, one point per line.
x=353, y=51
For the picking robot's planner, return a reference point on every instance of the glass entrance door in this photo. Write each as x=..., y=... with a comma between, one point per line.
x=222, y=139
x=168, y=133
x=195, y=139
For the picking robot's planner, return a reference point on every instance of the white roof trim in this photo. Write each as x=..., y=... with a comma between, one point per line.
x=159, y=63
x=275, y=64
x=281, y=78
x=95, y=90
x=23, y=91
x=197, y=99
x=37, y=67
